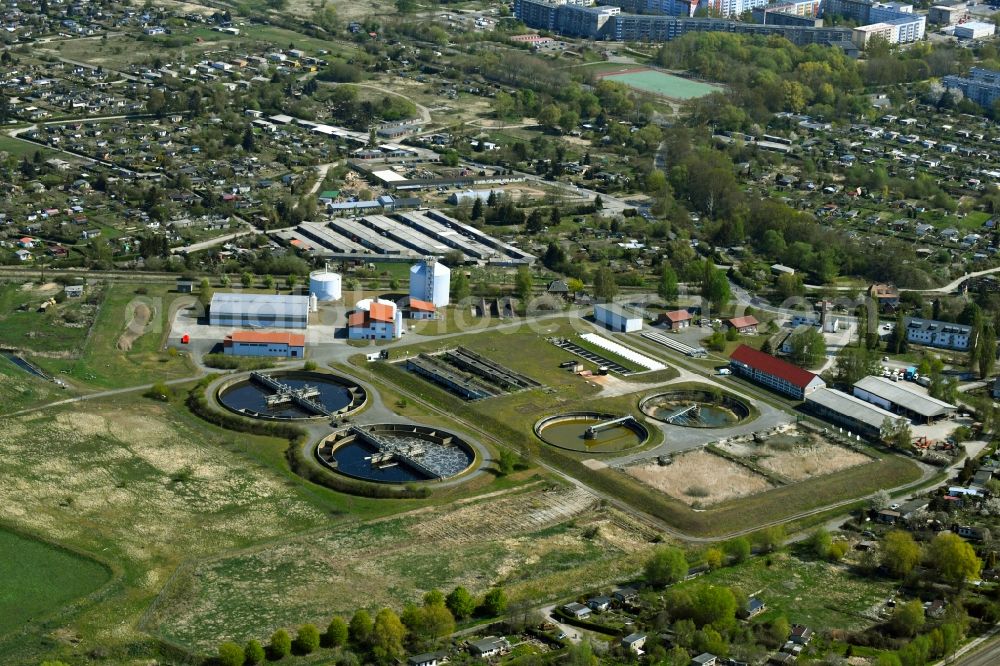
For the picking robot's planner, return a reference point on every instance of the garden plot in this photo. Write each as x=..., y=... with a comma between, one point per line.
x=700, y=477
x=797, y=455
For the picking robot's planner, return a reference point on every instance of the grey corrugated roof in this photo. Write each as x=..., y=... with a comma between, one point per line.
x=276, y=304
x=848, y=405
x=900, y=394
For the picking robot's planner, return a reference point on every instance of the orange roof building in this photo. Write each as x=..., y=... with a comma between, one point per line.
x=374, y=320
x=260, y=343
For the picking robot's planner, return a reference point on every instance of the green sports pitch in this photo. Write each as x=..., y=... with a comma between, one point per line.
x=660, y=83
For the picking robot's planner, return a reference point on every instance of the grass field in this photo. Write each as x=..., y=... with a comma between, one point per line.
x=60, y=327
x=37, y=579
x=100, y=364
x=518, y=539
x=663, y=84
x=19, y=148
x=791, y=586
x=20, y=389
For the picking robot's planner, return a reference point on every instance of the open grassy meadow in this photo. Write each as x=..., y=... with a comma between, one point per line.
x=143, y=493
x=20, y=389
x=527, y=539
x=807, y=591
x=63, y=326
x=37, y=579
x=143, y=318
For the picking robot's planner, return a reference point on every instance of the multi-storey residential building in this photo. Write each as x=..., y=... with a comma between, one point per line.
x=982, y=86
x=942, y=334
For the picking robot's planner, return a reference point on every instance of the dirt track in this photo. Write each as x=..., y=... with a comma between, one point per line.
x=135, y=327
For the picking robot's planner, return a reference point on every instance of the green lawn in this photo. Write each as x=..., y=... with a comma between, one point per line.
x=101, y=364
x=806, y=591
x=19, y=148
x=61, y=327
x=37, y=579
x=661, y=83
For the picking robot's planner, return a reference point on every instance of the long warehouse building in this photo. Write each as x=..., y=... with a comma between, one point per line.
x=259, y=311
x=853, y=413
x=899, y=398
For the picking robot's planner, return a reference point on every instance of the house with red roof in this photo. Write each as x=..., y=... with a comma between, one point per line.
x=744, y=325
x=258, y=343
x=775, y=374
x=675, y=321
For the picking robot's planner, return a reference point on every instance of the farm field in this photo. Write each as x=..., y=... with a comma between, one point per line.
x=700, y=478
x=661, y=83
x=520, y=539
x=789, y=585
x=797, y=456
x=37, y=579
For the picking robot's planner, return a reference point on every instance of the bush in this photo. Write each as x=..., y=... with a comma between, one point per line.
x=336, y=633
x=309, y=366
x=231, y=654
x=160, y=391
x=254, y=653
x=307, y=639
x=280, y=645
x=227, y=362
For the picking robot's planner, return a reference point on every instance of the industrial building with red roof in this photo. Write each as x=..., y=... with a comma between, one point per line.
x=260, y=343
x=774, y=373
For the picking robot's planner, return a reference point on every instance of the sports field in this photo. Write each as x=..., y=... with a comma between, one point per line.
x=660, y=83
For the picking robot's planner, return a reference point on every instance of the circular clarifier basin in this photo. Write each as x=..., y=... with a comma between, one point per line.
x=592, y=432
x=696, y=408
x=396, y=453
x=292, y=395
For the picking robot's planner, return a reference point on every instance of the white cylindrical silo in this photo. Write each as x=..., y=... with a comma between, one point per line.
x=325, y=286
x=430, y=281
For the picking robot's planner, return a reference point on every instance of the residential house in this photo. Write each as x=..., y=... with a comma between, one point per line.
x=746, y=325
x=599, y=604
x=558, y=288
x=73, y=290
x=577, y=611
x=491, y=646
x=428, y=659
x=886, y=296
x=23, y=255
x=801, y=634
x=754, y=607
x=888, y=516
x=705, y=659
x=634, y=642
x=625, y=594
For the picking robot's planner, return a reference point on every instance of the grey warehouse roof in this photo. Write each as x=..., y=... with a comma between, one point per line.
x=899, y=394
x=254, y=303
x=620, y=310
x=848, y=405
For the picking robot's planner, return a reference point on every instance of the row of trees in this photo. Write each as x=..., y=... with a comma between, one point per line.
x=383, y=639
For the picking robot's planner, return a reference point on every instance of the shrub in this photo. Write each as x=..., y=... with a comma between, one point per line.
x=231, y=654
x=280, y=645
x=307, y=639
x=227, y=362
x=336, y=633
x=254, y=653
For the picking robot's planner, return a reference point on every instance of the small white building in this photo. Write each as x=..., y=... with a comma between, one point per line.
x=617, y=318
x=975, y=30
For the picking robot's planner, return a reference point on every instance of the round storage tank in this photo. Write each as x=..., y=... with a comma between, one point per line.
x=325, y=285
x=430, y=281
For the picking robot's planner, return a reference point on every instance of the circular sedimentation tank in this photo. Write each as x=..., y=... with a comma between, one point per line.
x=592, y=432
x=292, y=395
x=396, y=453
x=696, y=408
